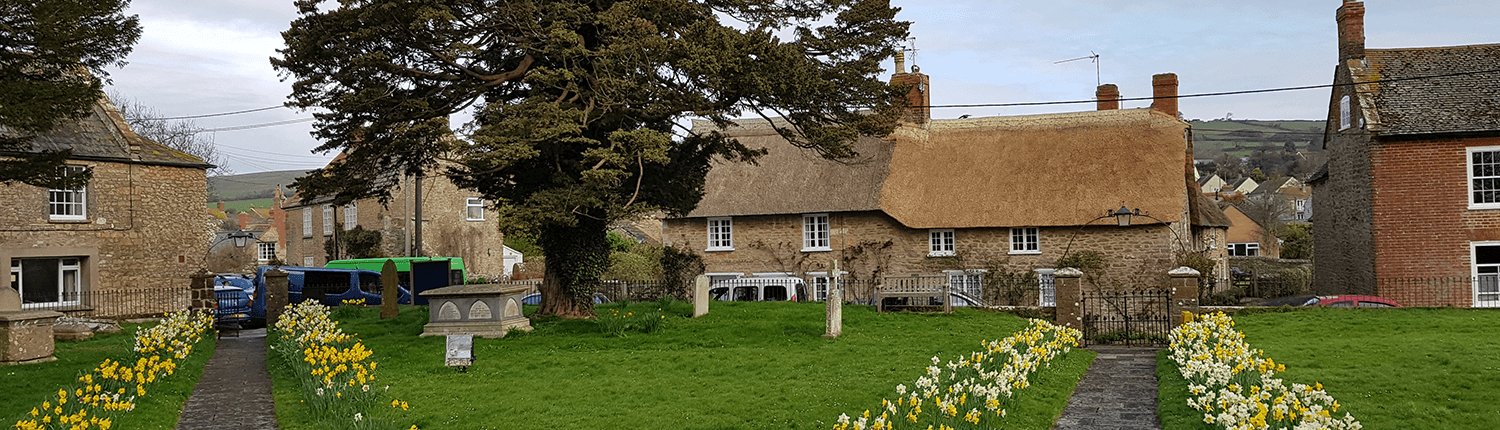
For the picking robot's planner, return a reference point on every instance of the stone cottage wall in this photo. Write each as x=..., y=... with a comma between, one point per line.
x=1343, y=241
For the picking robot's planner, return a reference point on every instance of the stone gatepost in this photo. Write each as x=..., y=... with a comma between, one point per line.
x=201, y=291
x=25, y=335
x=1068, y=284
x=388, y=293
x=276, y=295
x=835, y=303
x=700, y=296
x=1184, y=288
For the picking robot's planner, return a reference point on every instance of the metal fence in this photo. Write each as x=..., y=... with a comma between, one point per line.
x=140, y=302
x=1129, y=318
x=1479, y=292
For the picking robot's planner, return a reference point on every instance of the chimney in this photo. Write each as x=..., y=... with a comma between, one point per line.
x=917, y=96
x=1351, y=18
x=1108, y=96
x=1164, y=93
x=244, y=220
x=221, y=205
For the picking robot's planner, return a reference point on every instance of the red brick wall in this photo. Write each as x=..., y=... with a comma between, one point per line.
x=1422, y=224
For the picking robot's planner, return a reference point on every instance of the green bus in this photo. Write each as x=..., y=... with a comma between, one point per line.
x=456, y=274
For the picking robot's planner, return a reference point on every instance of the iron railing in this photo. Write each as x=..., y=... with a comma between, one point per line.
x=1478, y=292
x=1127, y=317
x=139, y=302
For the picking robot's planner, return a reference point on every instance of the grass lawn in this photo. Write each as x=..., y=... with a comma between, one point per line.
x=1390, y=368
x=744, y=365
x=25, y=387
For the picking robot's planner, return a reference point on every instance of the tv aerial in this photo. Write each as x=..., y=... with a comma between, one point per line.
x=1093, y=57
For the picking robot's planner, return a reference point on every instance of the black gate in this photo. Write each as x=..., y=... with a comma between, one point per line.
x=1127, y=318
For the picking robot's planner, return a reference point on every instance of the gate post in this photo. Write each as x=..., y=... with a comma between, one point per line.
x=1068, y=287
x=277, y=297
x=1184, y=286
x=201, y=291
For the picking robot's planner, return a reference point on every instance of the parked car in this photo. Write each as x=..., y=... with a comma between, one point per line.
x=768, y=289
x=331, y=287
x=536, y=299
x=1356, y=301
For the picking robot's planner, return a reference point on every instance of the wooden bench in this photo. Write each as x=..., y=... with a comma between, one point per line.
x=913, y=288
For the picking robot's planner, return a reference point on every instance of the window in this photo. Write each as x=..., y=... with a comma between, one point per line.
x=308, y=262
x=969, y=282
x=265, y=251
x=47, y=282
x=940, y=243
x=327, y=220
x=815, y=233
x=1484, y=177
x=68, y=205
x=1047, y=286
x=474, y=209
x=351, y=215
x=720, y=234
x=820, y=288
x=1486, y=274
x=1344, y=113
x=306, y=222
x=1249, y=249
x=1301, y=205
x=1025, y=240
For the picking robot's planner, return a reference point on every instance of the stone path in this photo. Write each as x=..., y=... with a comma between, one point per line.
x=235, y=390
x=1117, y=393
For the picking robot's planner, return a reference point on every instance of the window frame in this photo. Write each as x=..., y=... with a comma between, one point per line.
x=260, y=251
x=811, y=242
x=1020, y=247
x=309, y=261
x=63, y=289
x=942, y=242
x=327, y=220
x=472, y=203
x=722, y=240
x=1046, y=288
x=1469, y=174
x=307, y=230
x=351, y=215
x=973, y=277
x=1346, y=113
x=78, y=198
x=1251, y=249
x=1474, y=273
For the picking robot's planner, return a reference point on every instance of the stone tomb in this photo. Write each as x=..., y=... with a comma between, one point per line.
x=25, y=335
x=484, y=310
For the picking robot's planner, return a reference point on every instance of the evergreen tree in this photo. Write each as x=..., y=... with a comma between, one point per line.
x=581, y=107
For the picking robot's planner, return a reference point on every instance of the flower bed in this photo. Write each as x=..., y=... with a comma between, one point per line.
x=335, y=370
x=990, y=378
x=1237, y=389
x=113, y=388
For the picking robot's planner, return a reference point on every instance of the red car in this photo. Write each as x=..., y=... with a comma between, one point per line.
x=1355, y=301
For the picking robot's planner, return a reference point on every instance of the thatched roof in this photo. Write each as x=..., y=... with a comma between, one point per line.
x=1204, y=212
x=1033, y=170
x=791, y=180
x=1037, y=170
x=105, y=135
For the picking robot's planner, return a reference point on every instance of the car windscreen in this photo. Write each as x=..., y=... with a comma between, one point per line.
x=1373, y=305
x=745, y=294
x=316, y=284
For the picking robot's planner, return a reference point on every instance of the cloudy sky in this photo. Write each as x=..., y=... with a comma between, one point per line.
x=203, y=57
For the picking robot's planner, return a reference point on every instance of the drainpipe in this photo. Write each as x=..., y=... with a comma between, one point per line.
x=417, y=196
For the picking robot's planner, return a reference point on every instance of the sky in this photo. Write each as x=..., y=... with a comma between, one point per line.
x=204, y=57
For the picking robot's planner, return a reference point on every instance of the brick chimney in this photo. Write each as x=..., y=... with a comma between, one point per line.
x=1108, y=96
x=918, y=96
x=1164, y=93
x=1351, y=18
x=244, y=220
x=221, y=205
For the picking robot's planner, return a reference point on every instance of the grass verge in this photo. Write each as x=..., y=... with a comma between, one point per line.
x=744, y=365
x=24, y=387
x=1391, y=368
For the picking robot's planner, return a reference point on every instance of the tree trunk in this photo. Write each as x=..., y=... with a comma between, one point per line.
x=576, y=257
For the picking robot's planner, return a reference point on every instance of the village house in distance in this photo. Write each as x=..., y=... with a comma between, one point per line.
x=1408, y=205
x=124, y=244
x=956, y=196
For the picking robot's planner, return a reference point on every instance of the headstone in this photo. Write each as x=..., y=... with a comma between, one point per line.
x=460, y=351
x=10, y=300
x=25, y=335
x=835, y=310
x=388, y=293
x=700, y=296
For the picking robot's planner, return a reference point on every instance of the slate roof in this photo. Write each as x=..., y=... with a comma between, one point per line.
x=105, y=135
x=1452, y=104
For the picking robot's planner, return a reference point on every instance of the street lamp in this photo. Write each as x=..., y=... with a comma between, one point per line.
x=1123, y=216
x=240, y=239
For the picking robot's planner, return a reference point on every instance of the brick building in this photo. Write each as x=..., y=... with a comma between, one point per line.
x=1247, y=238
x=456, y=223
x=137, y=229
x=1408, y=204
x=960, y=196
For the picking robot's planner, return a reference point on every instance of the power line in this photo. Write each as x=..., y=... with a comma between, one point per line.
x=261, y=125
x=210, y=115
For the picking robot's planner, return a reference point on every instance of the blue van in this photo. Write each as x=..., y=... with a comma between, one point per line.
x=328, y=286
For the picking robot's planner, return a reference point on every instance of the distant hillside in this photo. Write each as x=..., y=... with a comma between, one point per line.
x=1243, y=137
x=250, y=185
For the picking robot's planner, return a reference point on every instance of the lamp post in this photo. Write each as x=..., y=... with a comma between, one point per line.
x=240, y=238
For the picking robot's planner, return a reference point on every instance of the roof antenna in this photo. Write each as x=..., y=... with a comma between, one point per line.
x=1094, y=57
x=911, y=46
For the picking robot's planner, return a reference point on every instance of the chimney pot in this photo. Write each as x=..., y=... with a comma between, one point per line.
x=1108, y=97
x=1351, y=20
x=900, y=63
x=244, y=220
x=1164, y=93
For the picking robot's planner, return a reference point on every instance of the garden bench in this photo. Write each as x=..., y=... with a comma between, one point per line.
x=914, y=289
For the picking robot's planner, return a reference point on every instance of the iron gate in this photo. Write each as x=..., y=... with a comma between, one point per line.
x=1127, y=317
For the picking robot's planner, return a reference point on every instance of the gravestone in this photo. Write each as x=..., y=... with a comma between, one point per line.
x=484, y=310
x=388, y=293
x=700, y=296
x=835, y=303
x=25, y=335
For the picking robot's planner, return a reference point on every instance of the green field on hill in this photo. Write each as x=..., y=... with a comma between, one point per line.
x=1243, y=137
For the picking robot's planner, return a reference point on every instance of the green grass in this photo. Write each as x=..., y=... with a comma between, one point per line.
x=744, y=365
x=26, y=386
x=242, y=205
x=1390, y=368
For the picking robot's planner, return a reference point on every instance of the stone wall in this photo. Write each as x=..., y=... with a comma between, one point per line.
x=145, y=227
x=447, y=231
x=1422, y=225
x=1343, y=238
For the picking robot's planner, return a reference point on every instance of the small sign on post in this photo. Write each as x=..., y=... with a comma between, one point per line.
x=460, y=351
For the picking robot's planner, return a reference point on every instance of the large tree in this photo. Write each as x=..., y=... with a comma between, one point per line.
x=581, y=107
x=47, y=51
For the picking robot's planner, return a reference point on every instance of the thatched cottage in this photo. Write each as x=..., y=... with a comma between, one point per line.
x=968, y=198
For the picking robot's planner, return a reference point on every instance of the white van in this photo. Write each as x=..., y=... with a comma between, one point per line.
x=768, y=289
